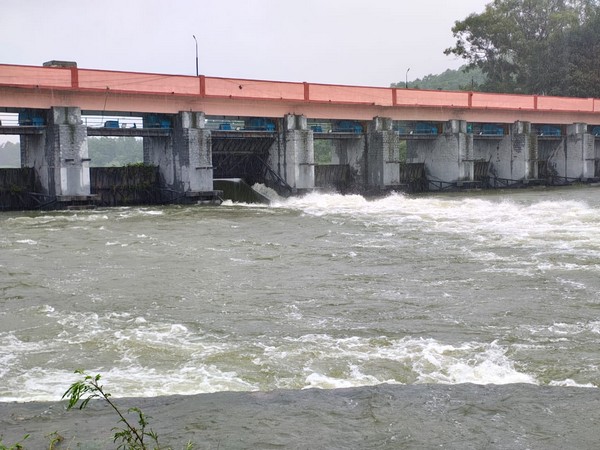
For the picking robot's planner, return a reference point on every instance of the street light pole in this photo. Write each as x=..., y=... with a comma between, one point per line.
x=406, y=79
x=196, y=40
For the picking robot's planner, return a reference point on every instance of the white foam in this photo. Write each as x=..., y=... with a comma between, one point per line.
x=428, y=360
x=317, y=380
x=27, y=241
x=42, y=384
x=571, y=383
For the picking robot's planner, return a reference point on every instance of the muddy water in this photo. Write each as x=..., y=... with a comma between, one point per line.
x=471, y=294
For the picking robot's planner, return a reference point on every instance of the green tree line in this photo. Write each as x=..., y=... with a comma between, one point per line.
x=103, y=152
x=463, y=79
x=546, y=47
x=109, y=151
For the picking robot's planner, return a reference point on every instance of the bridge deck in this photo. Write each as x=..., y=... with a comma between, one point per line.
x=128, y=92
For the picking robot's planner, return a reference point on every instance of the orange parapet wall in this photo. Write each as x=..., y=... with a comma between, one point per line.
x=350, y=94
x=502, y=101
x=138, y=82
x=302, y=98
x=565, y=104
x=415, y=97
x=35, y=76
x=253, y=89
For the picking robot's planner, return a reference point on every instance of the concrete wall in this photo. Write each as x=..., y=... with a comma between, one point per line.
x=383, y=165
x=573, y=156
x=60, y=154
x=597, y=157
x=33, y=154
x=184, y=157
x=292, y=156
x=514, y=159
x=299, y=145
x=450, y=157
x=158, y=151
x=576, y=158
x=192, y=155
x=352, y=152
x=447, y=156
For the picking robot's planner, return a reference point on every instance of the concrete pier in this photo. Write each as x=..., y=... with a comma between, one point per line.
x=59, y=155
x=383, y=159
x=184, y=157
x=192, y=159
x=448, y=157
x=577, y=158
x=513, y=158
x=292, y=155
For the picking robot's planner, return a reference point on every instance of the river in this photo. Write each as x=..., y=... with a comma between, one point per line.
x=483, y=293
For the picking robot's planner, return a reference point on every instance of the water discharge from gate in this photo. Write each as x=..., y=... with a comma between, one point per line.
x=323, y=291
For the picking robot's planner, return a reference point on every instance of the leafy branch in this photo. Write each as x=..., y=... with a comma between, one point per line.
x=130, y=437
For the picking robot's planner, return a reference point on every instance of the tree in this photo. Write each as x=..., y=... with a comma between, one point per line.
x=10, y=154
x=462, y=79
x=522, y=45
x=583, y=72
x=109, y=151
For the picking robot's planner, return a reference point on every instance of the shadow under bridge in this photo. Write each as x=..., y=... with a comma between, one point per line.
x=245, y=155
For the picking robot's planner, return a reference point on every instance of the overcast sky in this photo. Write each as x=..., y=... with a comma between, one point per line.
x=356, y=42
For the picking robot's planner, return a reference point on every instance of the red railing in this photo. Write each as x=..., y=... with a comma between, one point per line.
x=215, y=87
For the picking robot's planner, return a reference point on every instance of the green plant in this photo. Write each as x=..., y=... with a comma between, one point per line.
x=15, y=446
x=55, y=439
x=129, y=437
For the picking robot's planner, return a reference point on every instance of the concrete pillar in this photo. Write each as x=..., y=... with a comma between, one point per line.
x=383, y=154
x=192, y=155
x=447, y=157
x=294, y=155
x=514, y=157
x=596, y=156
x=577, y=160
x=60, y=155
x=184, y=158
x=457, y=130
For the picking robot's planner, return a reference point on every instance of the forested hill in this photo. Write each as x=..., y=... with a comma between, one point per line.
x=450, y=80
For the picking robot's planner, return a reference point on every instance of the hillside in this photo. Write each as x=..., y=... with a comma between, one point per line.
x=450, y=80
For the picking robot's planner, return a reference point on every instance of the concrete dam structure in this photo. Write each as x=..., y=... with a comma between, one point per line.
x=196, y=130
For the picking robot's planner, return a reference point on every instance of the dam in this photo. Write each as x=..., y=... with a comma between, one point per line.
x=196, y=130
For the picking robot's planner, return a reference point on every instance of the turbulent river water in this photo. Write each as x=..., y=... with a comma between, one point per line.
x=321, y=291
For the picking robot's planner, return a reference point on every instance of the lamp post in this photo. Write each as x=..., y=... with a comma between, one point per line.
x=406, y=79
x=196, y=40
